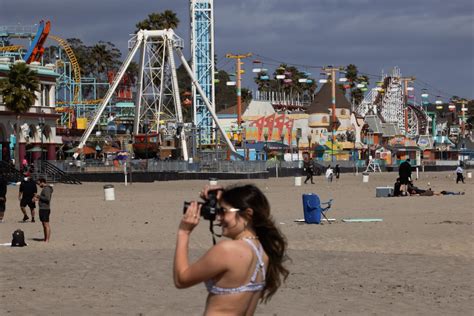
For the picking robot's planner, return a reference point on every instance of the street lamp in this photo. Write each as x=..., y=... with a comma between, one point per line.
x=41, y=124
x=298, y=136
x=309, y=144
x=282, y=137
x=266, y=149
x=145, y=126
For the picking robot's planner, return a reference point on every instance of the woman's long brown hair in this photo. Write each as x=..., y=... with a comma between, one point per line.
x=272, y=240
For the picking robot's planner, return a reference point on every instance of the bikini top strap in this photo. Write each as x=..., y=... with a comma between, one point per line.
x=260, y=264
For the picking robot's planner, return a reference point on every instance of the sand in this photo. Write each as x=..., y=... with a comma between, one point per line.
x=115, y=257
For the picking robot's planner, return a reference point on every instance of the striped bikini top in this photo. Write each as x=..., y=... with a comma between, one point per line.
x=252, y=286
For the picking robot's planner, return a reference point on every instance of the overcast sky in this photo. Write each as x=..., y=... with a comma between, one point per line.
x=430, y=39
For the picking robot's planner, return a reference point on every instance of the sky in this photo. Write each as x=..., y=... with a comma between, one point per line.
x=432, y=40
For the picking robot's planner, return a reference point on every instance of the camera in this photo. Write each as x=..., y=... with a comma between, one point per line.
x=209, y=207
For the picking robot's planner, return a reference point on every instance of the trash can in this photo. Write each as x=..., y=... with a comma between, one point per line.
x=311, y=208
x=365, y=177
x=297, y=181
x=212, y=181
x=469, y=175
x=109, y=192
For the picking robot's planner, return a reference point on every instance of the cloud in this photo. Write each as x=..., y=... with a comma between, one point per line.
x=423, y=37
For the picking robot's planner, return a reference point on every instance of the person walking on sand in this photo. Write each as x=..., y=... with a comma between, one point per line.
x=337, y=171
x=459, y=174
x=308, y=167
x=3, y=194
x=26, y=194
x=44, y=203
x=329, y=173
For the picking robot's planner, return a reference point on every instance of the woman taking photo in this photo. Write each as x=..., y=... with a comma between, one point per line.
x=239, y=271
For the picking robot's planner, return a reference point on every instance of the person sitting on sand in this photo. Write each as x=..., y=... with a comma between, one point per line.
x=413, y=190
x=243, y=270
x=396, y=188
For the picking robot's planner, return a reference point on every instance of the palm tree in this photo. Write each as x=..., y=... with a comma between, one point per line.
x=159, y=21
x=18, y=91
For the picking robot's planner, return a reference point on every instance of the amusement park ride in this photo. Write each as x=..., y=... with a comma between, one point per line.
x=157, y=102
x=390, y=101
x=158, y=96
x=156, y=106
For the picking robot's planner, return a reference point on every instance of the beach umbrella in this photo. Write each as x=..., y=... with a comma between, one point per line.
x=88, y=150
x=110, y=150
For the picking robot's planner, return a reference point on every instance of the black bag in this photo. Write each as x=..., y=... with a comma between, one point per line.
x=18, y=239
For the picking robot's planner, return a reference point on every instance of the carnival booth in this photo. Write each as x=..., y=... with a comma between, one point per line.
x=383, y=156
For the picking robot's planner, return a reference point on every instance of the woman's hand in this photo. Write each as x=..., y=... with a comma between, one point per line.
x=190, y=218
x=205, y=191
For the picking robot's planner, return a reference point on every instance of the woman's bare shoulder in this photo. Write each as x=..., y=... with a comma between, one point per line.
x=231, y=245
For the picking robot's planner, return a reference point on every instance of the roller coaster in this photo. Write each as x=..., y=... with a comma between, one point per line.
x=68, y=89
x=389, y=101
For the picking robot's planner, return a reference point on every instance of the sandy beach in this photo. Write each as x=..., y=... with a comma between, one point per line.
x=115, y=257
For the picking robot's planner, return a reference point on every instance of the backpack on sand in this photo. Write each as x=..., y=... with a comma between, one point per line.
x=18, y=239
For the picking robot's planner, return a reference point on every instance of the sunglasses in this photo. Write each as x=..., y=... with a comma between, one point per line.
x=222, y=210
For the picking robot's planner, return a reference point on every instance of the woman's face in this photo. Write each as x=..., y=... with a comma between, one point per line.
x=231, y=224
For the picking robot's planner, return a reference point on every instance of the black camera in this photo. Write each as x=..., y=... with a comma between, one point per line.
x=209, y=207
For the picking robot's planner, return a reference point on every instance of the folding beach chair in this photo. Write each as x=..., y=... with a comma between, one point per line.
x=313, y=209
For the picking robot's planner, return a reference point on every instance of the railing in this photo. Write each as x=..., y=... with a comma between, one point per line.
x=151, y=165
x=52, y=173
x=10, y=172
x=221, y=166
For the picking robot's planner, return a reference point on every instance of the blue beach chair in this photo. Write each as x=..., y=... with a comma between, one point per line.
x=313, y=209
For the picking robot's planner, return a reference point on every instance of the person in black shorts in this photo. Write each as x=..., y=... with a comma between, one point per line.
x=25, y=195
x=404, y=171
x=44, y=205
x=3, y=194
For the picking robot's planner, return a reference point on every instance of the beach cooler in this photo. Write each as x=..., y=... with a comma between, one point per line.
x=312, y=208
x=383, y=191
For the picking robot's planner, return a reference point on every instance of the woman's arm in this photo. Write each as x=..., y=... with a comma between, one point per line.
x=208, y=266
x=205, y=268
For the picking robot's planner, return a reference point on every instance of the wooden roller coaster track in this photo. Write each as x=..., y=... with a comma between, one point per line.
x=12, y=48
x=76, y=70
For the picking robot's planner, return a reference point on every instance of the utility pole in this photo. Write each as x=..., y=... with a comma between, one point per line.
x=333, y=70
x=406, y=81
x=239, y=82
x=463, y=103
